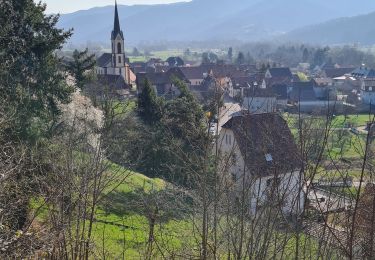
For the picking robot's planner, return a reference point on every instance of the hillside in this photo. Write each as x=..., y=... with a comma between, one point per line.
x=201, y=20
x=339, y=31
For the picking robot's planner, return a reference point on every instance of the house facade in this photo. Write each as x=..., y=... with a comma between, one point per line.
x=257, y=100
x=162, y=82
x=368, y=91
x=264, y=160
x=278, y=76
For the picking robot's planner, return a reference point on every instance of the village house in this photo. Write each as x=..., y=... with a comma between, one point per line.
x=336, y=72
x=346, y=83
x=368, y=91
x=114, y=65
x=279, y=76
x=365, y=78
x=138, y=67
x=162, y=82
x=156, y=62
x=281, y=93
x=264, y=156
x=307, y=97
x=363, y=72
x=258, y=100
x=200, y=77
x=323, y=86
x=238, y=83
x=205, y=89
x=195, y=74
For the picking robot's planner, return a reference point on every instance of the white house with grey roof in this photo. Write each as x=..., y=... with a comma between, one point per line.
x=113, y=65
x=264, y=162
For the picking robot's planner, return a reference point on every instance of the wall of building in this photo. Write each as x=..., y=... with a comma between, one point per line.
x=259, y=105
x=368, y=91
x=196, y=82
x=368, y=97
x=320, y=105
x=288, y=195
x=289, y=190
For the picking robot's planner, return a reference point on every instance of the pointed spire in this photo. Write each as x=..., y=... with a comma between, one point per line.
x=116, y=26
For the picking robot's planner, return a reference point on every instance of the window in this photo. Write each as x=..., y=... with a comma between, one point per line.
x=228, y=139
x=119, y=59
x=119, y=48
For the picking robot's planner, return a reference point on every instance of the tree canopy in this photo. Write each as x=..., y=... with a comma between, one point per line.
x=31, y=83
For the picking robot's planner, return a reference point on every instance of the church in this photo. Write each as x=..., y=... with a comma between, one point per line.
x=112, y=68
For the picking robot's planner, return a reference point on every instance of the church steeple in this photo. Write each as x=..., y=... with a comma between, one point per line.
x=116, y=26
x=118, y=43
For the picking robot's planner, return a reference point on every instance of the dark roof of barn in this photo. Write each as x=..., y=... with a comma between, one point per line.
x=280, y=72
x=303, y=91
x=194, y=72
x=337, y=72
x=242, y=82
x=161, y=78
x=258, y=92
x=259, y=135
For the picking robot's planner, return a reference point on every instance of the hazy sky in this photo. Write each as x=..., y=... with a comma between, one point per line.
x=68, y=6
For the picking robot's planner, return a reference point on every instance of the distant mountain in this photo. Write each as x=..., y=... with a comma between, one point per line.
x=201, y=20
x=358, y=29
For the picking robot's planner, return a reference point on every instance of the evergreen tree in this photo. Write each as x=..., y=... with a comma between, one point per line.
x=240, y=58
x=149, y=106
x=213, y=57
x=135, y=52
x=263, y=68
x=205, y=58
x=31, y=82
x=305, y=55
x=32, y=85
x=320, y=56
x=230, y=54
x=209, y=57
x=250, y=59
x=80, y=67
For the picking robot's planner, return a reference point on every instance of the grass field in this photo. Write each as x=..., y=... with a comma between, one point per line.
x=355, y=120
x=122, y=226
x=342, y=143
x=156, y=54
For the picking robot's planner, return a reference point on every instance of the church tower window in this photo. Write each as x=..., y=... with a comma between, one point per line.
x=119, y=59
x=119, y=48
